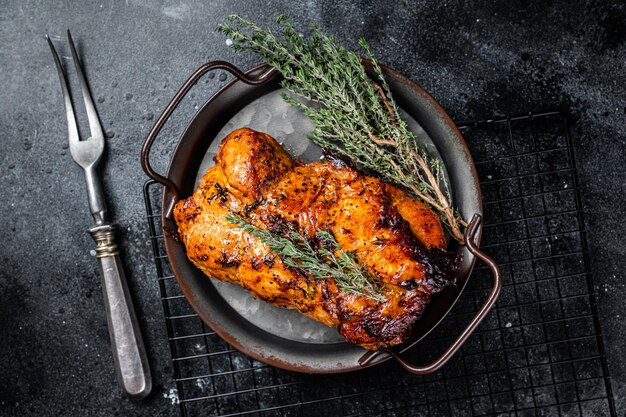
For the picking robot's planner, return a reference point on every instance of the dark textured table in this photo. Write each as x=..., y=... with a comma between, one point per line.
x=477, y=59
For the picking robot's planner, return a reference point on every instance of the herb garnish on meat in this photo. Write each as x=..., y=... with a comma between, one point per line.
x=321, y=259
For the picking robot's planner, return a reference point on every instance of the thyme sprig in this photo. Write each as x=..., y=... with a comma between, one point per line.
x=354, y=115
x=323, y=261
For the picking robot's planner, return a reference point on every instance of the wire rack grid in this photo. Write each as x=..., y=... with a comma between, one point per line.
x=538, y=353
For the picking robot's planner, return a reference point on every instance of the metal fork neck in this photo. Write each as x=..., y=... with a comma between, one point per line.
x=97, y=205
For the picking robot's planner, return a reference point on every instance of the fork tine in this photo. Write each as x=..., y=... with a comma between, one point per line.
x=92, y=115
x=67, y=100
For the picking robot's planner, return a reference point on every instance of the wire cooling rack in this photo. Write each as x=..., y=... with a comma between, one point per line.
x=538, y=353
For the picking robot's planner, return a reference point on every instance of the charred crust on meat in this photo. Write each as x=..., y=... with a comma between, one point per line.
x=284, y=284
x=391, y=219
x=326, y=294
x=339, y=161
x=277, y=224
x=372, y=327
x=344, y=312
x=190, y=209
x=268, y=260
x=221, y=193
x=227, y=260
x=329, y=302
x=250, y=207
x=256, y=263
x=440, y=266
x=409, y=284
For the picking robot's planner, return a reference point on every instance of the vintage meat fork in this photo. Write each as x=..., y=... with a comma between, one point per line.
x=131, y=362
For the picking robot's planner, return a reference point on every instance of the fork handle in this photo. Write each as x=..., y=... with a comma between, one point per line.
x=129, y=353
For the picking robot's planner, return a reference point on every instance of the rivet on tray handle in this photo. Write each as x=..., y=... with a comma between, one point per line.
x=147, y=146
x=470, y=242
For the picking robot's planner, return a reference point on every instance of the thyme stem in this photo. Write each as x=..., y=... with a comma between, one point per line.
x=324, y=261
x=354, y=114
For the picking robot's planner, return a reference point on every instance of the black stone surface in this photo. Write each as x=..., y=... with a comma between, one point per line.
x=477, y=58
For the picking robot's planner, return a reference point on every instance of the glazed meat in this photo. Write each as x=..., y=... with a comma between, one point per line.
x=396, y=238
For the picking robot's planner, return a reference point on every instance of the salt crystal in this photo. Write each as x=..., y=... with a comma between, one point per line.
x=172, y=395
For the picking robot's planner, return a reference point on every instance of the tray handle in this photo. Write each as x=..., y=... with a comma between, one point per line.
x=472, y=245
x=182, y=92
